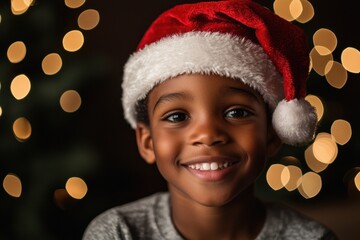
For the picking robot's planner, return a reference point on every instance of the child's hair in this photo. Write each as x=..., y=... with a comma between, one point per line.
x=141, y=112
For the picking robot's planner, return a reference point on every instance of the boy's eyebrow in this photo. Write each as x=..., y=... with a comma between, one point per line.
x=241, y=91
x=169, y=97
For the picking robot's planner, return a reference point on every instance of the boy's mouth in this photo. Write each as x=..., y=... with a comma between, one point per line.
x=212, y=166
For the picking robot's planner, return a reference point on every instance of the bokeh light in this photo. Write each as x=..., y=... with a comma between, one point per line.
x=12, y=185
x=274, y=176
x=51, y=64
x=296, y=8
x=325, y=148
x=290, y=160
x=311, y=185
x=341, y=131
x=70, y=101
x=357, y=181
x=76, y=187
x=74, y=3
x=88, y=19
x=317, y=104
x=282, y=9
x=22, y=129
x=335, y=74
x=307, y=12
x=326, y=39
x=1, y=111
x=295, y=174
x=20, y=86
x=319, y=61
x=350, y=59
x=62, y=199
x=16, y=52
x=20, y=6
x=314, y=164
x=299, y=10
x=73, y=41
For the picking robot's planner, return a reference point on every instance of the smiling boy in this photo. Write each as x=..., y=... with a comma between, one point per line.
x=205, y=94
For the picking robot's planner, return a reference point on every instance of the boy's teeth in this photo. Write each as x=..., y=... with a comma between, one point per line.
x=209, y=166
x=214, y=166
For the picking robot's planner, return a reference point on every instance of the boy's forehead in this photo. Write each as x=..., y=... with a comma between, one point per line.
x=185, y=82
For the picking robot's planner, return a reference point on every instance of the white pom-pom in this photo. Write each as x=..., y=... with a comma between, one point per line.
x=295, y=121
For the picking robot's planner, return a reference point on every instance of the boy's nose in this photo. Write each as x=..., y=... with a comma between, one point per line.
x=208, y=132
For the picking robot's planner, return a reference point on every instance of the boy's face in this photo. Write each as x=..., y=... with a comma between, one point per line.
x=209, y=136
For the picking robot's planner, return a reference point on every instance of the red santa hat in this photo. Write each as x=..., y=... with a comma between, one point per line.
x=234, y=38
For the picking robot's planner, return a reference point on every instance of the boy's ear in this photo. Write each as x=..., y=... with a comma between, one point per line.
x=145, y=143
x=273, y=142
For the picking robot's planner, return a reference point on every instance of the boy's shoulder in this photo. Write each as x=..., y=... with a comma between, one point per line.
x=283, y=222
x=141, y=219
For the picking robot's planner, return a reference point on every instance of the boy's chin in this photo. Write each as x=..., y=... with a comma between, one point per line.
x=217, y=198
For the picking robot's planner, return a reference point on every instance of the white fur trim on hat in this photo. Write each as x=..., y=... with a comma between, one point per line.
x=295, y=121
x=199, y=52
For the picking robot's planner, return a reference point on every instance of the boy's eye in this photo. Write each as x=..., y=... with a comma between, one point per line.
x=176, y=117
x=237, y=113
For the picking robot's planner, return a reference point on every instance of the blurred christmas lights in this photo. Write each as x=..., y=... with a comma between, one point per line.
x=70, y=101
x=88, y=19
x=51, y=64
x=76, y=187
x=74, y=3
x=16, y=52
x=12, y=185
x=73, y=41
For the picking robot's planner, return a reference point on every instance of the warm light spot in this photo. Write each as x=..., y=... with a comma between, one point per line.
x=285, y=176
x=311, y=185
x=273, y=176
x=357, y=181
x=1, y=111
x=16, y=52
x=325, y=148
x=70, y=101
x=314, y=164
x=319, y=61
x=76, y=187
x=88, y=19
x=317, y=104
x=295, y=174
x=296, y=8
x=51, y=64
x=12, y=185
x=341, y=130
x=325, y=38
x=20, y=86
x=307, y=13
x=74, y=3
x=336, y=75
x=73, y=41
x=290, y=160
x=282, y=9
x=20, y=6
x=350, y=59
x=22, y=129
x=323, y=51
x=62, y=199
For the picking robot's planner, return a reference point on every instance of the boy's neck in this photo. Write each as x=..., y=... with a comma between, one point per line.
x=242, y=218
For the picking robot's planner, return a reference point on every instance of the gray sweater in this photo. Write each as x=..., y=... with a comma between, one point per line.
x=149, y=218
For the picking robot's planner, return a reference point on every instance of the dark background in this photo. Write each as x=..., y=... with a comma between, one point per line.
x=96, y=144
